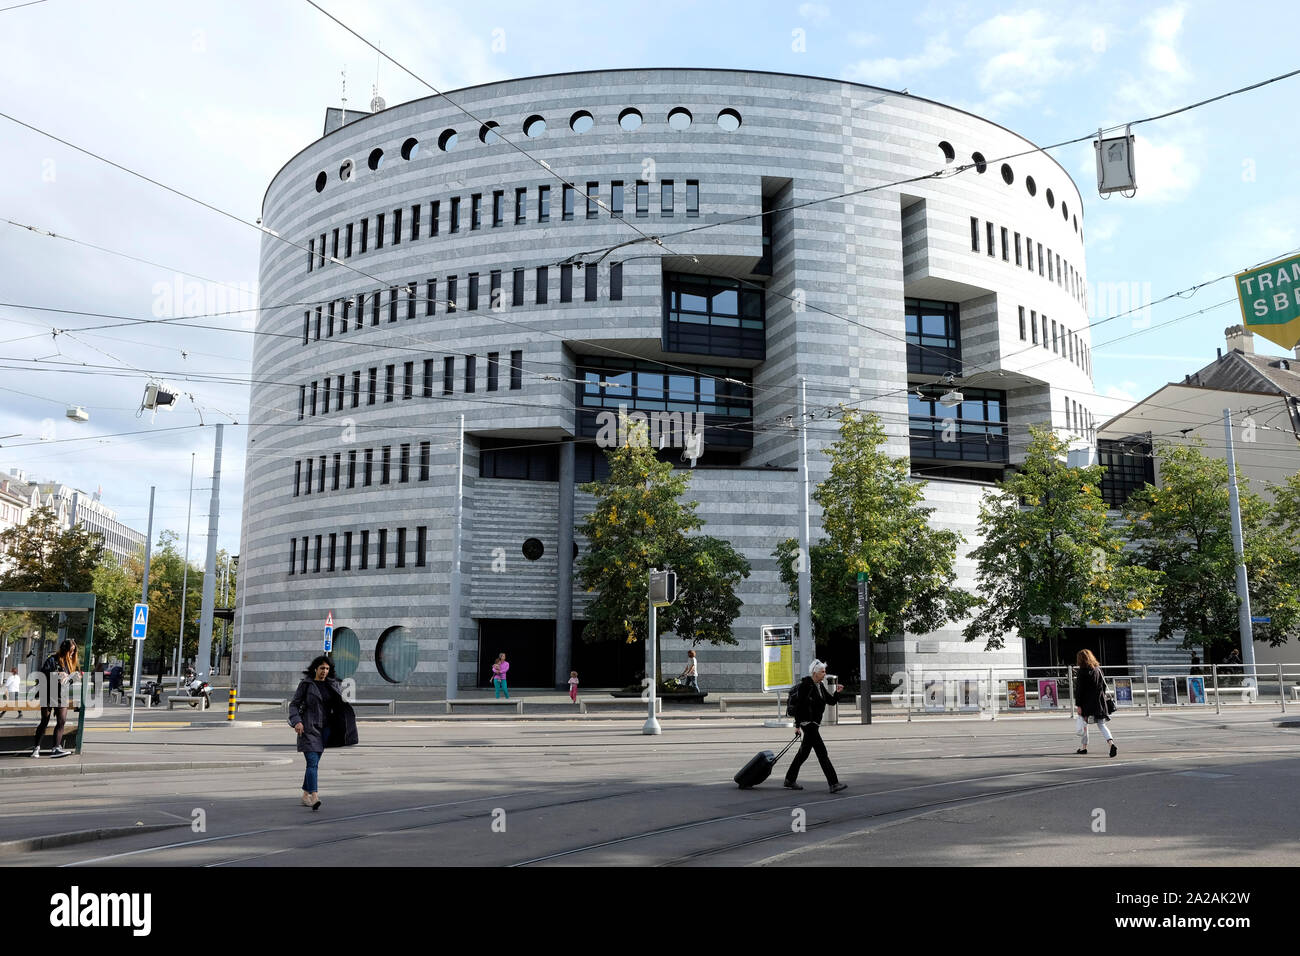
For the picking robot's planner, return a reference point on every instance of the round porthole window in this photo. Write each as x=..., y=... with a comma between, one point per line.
x=630, y=119
x=376, y=159
x=321, y=179
x=447, y=140
x=346, y=170
x=581, y=121
x=680, y=118
x=346, y=653
x=396, y=655
x=1051, y=200
x=1008, y=176
x=1031, y=185
x=410, y=148
x=729, y=120
x=1065, y=211
x=533, y=549
x=981, y=165
x=487, y=134
x=534, y=126
x=949, y=154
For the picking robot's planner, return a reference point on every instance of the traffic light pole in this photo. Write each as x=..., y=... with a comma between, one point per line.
x=1244, y=623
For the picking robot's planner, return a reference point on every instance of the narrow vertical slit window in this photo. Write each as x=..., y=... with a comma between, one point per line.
x=451, y=293
x=543, y=279
x=543, y=203
x=389, y=376
x=365, y=234
x=397, y=226
x=356, y=388
x=408, y=380
x=421, y=545
x=379, y=230
x=424, y=461
x=435, y=214
x=347, y=550
x=372, y=383
x=498, y=207
x=616, y=199
x=473, y=291
x=616, y=282
x=516, y=370
x=989, y=234
x=1022, y=323
x=471, y=372
x=453, y=222
x=692, y=197
x=430, y=296
x=666, y=198
x=352, y=468
x=475, y=211
x=385, y=464
x=521, y=205
x=428, y=379
x=415, y=222
x=381, y=549
x=448, y=374
x=495, y=301
x=404, y=463
x=566, y=202
x=347, y=244
x=589, y=276
x=566, y=283
x=593, y=207
x=400, y=553
x=642, y=199
x=363, y=553
x=493, y=367
x=517, y=288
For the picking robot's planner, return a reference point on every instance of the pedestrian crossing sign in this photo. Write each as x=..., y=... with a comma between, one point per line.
x=139, y=622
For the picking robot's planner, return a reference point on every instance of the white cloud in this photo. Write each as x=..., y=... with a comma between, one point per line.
x=858, y=38
x=1023, y=53
x=1161, y=55
x=1103, y=228
x=818, y=13
x=1165, y=170
x=1123, y=392
x=890, y=69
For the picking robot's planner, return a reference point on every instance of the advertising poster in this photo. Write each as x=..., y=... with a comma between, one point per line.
x=968, y=695
x=934, y=695
x=1047, y=697
x=1124, y=691
x=1169, y=690
x=1196, y=690
x=778, y=658
x=1016, y=694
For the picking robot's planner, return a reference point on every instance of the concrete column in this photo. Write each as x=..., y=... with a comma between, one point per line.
x=564, y=569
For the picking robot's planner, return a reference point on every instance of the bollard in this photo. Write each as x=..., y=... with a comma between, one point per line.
x=230, y=708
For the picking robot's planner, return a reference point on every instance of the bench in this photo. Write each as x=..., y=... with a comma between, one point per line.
x=516, y=703
x=141, y=695
x=200, y=702
x=281, y=702
x=584, y=705
x=390, y=704
x=754, y=699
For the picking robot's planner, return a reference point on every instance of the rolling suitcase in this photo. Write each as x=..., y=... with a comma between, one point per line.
x=760, y=767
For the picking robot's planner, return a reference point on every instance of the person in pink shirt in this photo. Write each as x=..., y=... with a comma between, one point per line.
x=573, y=686
x=499, y=669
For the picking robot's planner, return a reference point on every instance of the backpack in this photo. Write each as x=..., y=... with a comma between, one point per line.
x=792, y=701
x=51, y=665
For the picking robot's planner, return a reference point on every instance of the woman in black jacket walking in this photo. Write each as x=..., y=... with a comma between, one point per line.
x=321, y=718
x=811, y=698
x=1090, y=699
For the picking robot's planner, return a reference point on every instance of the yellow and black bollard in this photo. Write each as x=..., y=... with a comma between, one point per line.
x=230, y=708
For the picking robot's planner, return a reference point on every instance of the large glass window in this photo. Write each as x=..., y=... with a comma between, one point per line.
x=396, y=654
x=713, y=315
x=973, y=430
x=933, y=331
x=648, y=386
x=1129, y=466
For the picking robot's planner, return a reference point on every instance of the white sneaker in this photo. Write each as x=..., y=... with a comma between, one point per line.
x=36, y=751
x=60, y=752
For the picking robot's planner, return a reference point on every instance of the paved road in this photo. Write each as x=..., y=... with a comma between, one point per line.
x=1185, y=791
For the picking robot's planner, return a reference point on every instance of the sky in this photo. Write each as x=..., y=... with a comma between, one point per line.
x=212, y=98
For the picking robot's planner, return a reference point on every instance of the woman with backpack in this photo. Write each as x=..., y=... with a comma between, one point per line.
x=809, y=700
x=321, y=718
x=54, y=691
x=1090, y=699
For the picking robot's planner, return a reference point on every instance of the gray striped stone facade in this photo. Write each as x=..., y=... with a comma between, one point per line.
x=801, y=139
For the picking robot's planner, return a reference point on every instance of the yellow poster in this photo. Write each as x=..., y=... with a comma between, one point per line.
x=778, y=658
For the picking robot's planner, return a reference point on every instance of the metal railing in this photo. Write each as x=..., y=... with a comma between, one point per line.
x=992, y=691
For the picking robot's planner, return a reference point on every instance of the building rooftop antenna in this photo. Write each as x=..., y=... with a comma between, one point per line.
x=377, y=103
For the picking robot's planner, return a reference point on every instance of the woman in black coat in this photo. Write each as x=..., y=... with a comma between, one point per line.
x=321, y=718
x=1090, y=699
x=811, y=698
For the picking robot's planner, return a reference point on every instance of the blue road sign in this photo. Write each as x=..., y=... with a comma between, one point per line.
x=139, y=622
x=1261, y=620
x=329, y=631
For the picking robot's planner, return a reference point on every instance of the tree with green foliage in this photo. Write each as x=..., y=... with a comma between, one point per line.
x=640, y=522
x=44, y=557
x=876, y=522
x=1183, y=529
x=117, y=588
x=1050, y=557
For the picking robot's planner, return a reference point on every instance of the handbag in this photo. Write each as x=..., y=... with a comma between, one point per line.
x=1110, y=704
x=1080, y=725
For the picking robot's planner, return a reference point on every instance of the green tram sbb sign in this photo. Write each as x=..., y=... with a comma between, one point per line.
x=1270, y=301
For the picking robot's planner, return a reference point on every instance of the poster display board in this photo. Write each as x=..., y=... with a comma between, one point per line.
x=1169, y=690
x=1016, y=694
x=1048, y=698
x=1196, y=690
x=778, y=657
x=1124, y=691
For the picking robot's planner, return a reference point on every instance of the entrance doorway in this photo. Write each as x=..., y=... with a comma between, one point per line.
x=1109, y=645
x=529, y=647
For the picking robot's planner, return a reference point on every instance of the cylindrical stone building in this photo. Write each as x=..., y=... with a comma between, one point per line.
x=534, y=252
